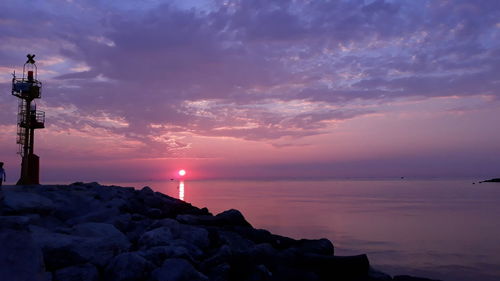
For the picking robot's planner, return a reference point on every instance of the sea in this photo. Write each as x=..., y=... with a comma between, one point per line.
x=436, y=228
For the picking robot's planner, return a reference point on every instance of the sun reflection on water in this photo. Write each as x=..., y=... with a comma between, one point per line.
x=181, y=190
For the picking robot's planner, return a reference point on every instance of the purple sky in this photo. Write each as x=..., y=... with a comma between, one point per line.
x=135, y=90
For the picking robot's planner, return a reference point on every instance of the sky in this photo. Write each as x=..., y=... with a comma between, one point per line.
x=136, y=90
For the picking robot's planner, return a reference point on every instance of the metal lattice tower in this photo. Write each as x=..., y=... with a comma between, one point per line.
x=27, y=88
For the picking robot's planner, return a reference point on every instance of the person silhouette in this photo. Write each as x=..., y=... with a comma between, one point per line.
x=3, y=176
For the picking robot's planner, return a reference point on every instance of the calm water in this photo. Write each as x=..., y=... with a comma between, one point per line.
x=433, y=228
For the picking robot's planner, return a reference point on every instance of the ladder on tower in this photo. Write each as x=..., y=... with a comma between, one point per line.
x=21, y=123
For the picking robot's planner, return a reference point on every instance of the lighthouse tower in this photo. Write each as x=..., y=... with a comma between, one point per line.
x=27, y=88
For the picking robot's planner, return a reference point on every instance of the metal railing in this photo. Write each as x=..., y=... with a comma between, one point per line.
x=24, y=88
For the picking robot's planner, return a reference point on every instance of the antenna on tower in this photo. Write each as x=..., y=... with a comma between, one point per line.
x=27, y=88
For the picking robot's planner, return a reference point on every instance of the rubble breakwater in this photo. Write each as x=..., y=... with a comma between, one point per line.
x=87, y=231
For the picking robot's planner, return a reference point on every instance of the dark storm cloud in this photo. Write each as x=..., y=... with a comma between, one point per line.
x=144, y=64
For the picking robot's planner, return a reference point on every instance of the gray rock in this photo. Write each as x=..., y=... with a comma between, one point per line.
x=88, y=184
x=375, y=275
x=193, y=250
x=261, y=273
x=157, y=237
x=104, y=193
x=170, y=223
x=321, y=246
x=147, y=190
x=70, y=204
x=100, y=251
x=122, y=222
x=20, y=258
x=159, y=254
x=96, y=229
x=19, y=202
x=222, y=255
x=289, y=256
x=85, y=272
x=197, y=220
x=128, y=267
x=235, y=241
x=116, y=203
x=101, y=215
x=90, y=242
x=103, y=241
x=255, y=235
x=281, y=242
x=232, y=217
x=195, y=235
x=138, y=217
x=287, y=273
x=154, y=213
x=336, y=267
x=2, y=196
x=411, y=278
x=263, y=253
x=167, y=230
x=177, y=270
x=220, y=272
x=58, y=249
x=14, y=222
x=135, y=229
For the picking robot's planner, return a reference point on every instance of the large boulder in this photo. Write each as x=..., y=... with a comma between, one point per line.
x=20, y=257
x=411, y=278
x=101, y=242
x=229, y=218
x=128, y=267
x=177, y=270
x=220, y=272
x=144, y=200
x=84, y=272
x=375, y=275
x=17, y=201
x=103, y=215
x=236, y=242
x=232, y=217
x=321, y=246
x=59, y=249
x=335, y=267
x=167, y=230
x=1, y=199
x=157, y=255
x=146, y=190
x=99, y=230
x=160, y=236
x=194, y=235
x=255, y=235
x=221, y=256
x=70, y=203
x=96, y=243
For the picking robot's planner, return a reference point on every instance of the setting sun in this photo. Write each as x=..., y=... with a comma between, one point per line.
x=182, y=173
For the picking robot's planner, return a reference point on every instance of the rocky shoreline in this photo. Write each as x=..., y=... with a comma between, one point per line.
x=87, y=231
x=491, y=180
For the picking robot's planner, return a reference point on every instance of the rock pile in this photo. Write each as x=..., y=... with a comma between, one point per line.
x=93, y=232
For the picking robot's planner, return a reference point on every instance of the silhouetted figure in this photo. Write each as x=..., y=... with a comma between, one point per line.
x=3, y=176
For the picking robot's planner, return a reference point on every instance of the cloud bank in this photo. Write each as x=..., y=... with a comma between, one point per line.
x=159, y=73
